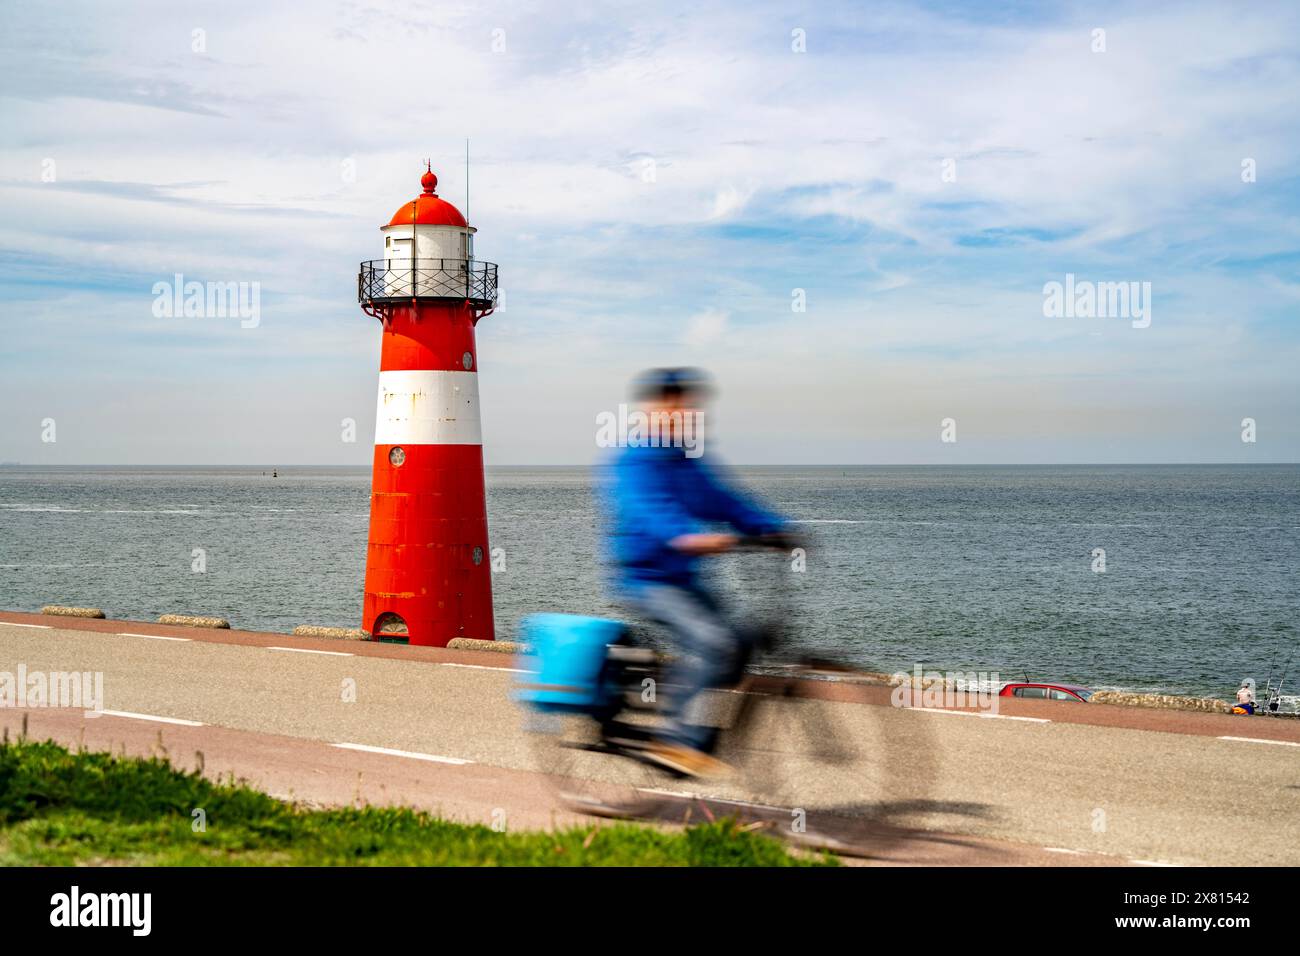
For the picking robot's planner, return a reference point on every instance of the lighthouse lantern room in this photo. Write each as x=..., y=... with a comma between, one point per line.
x=428, y=576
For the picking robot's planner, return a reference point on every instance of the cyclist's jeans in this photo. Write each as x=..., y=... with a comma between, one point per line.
x=707, y=653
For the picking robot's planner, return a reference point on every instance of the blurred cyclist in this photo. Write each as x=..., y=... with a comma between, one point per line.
x=662, y=495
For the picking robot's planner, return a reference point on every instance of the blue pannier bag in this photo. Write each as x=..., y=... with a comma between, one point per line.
x=566, y=669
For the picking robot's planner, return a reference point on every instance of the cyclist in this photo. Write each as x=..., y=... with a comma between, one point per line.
x=662, y=496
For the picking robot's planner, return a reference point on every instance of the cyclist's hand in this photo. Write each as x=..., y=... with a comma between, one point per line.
x=703, y=543
x=783, y=541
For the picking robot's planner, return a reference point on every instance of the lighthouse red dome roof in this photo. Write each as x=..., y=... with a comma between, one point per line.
x=427, y=209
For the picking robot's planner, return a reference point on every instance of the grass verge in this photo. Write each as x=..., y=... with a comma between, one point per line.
x=63, y=808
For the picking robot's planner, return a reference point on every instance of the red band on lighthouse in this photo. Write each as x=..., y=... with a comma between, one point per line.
x=428, y=573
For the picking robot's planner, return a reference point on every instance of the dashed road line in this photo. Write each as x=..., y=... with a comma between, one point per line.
x=153, y=717
x=1261, y=740
x=154, y=637
x=43, y=627
x=484, y=667
x=309, y=650
x=432, y=758
x=976, y=713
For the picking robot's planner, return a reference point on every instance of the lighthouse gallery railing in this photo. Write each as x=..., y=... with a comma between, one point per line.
x=385, y=280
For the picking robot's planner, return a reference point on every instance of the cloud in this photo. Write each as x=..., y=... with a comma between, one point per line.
x=275, y=153
x=705, y=328
x=730, y=199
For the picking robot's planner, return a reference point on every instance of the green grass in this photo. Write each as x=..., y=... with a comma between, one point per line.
x=60, y=808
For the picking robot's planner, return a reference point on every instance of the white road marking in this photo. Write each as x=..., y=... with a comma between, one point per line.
x=976, y=713
x=161, y=720
x=308, y=650
x=432, y=758
x=1152, y=863
x=1062, y=849
x=43, y=627
x=1261, y=740
x=485, y=667
x=153, y=637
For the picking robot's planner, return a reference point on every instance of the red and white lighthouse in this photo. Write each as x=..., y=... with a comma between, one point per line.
x=428, y=572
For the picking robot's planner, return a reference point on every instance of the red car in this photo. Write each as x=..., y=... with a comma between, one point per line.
x=1033, y=691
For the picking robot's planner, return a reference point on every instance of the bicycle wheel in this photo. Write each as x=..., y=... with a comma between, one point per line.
x=821, y=767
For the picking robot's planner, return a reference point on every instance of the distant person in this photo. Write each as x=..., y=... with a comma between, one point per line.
x=662, y=495
x=1245, y=698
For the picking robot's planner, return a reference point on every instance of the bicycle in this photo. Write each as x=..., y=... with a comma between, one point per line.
x=592, y=692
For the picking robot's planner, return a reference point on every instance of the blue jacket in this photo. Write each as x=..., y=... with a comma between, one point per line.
x=656, y=494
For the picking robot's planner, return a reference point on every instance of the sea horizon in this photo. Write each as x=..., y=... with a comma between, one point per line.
x=1150, y=577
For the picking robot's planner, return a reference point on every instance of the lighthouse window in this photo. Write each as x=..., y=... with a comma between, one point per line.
x=397, y=456
x=388, y=242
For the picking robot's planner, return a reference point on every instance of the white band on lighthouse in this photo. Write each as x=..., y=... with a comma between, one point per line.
x=428, y=408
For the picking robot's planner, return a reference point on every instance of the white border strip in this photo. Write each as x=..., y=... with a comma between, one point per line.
x=427, y=407
x=43, y=627
x=153, y=637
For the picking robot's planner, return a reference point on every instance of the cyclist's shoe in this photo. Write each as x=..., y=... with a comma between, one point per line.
x=686, y=760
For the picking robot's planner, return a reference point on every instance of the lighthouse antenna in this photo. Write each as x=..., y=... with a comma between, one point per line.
x=467, y=179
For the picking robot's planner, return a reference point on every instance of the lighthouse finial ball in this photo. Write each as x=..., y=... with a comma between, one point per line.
x=429, y=181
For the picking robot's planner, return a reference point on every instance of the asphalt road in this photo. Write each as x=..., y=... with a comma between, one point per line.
x=331, y=722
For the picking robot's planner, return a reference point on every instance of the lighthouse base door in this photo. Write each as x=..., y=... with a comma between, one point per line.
x=390, y=629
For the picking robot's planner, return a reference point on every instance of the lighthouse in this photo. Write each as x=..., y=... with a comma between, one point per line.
x=428, y=573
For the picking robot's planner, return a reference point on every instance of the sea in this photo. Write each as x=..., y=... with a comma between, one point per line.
x=1169, y=579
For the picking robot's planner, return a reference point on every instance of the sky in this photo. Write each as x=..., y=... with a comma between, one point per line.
x=848, y=213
